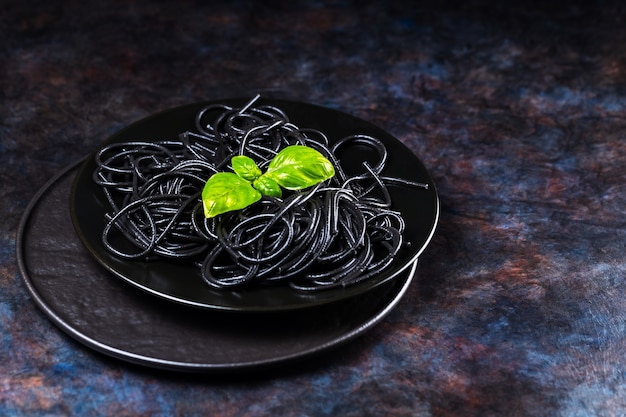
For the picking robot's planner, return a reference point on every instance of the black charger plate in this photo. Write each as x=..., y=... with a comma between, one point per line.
x=105, y=314
x=181, y=282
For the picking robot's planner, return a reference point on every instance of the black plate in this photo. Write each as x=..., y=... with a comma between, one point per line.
x=182, y=282
x=105, y=314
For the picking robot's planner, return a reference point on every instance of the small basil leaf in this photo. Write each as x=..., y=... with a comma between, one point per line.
x=297, y=167
x=226, y=191
x=245, y=167
x=268, y=186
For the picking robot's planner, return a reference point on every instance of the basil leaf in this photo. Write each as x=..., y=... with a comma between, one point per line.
x=297, y=167
x=245, y=167
x=226, y=191
x=268, y=186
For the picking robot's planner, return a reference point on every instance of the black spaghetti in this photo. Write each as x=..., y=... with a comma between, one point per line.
x=337, y=233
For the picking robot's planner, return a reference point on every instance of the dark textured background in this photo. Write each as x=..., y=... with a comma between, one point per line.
x=517, y=109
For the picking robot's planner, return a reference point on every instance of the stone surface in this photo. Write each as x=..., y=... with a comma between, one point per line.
x=518, y=110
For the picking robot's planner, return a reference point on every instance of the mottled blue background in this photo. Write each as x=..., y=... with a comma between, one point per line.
x=518, y=109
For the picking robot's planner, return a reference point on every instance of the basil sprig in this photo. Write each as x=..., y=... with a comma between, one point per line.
x=294, y=168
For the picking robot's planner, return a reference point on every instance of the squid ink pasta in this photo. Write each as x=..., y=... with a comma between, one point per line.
x=337, y=233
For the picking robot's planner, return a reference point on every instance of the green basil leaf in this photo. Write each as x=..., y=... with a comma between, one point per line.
x=245, y=167
x=297, y=167
x=268, y=186
x=226, y=191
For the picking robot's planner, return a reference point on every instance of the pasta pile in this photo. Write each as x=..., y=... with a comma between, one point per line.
x=337, y=233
